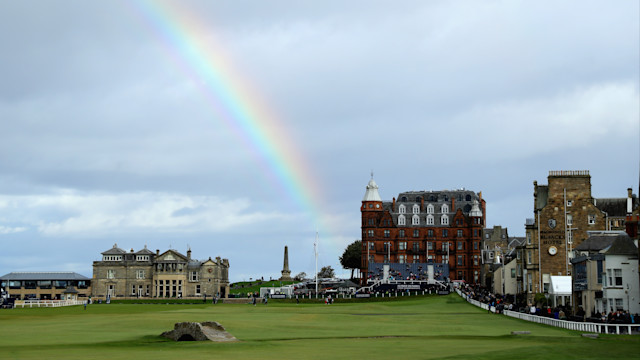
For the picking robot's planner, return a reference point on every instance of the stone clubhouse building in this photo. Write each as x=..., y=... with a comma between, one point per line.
x=145, y=274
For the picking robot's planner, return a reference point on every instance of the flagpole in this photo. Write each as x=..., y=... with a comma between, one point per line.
x=315, y=248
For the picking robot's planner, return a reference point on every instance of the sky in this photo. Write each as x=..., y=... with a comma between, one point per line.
x=235, y=128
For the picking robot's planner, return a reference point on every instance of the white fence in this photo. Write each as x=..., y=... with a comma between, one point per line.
x=570, y=325
x=47, y=303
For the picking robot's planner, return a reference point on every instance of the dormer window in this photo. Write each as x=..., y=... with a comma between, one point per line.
x=430, y=209
x=402, y=209
x=401, y=220
x=416, y=209
x=429, y=219
x=415, y=220
x=444, y=220
x=445, y=209
x=142, y=258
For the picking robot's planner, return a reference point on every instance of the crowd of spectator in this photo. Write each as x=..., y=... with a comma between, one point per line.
x=500, y=302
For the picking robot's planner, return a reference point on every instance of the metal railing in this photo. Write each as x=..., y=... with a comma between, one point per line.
x=598, y=328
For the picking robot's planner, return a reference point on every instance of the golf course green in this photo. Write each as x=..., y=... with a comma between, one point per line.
x=434, y=327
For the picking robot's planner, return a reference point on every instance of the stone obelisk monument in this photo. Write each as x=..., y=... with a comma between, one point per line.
x=286, y=273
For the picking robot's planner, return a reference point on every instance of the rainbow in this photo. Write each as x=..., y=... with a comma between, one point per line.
x=235, y=102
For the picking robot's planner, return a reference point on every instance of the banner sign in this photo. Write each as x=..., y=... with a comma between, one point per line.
x=409, y=287
x=278, y=296
x=363, y=295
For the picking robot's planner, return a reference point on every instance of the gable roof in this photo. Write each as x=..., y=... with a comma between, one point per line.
x=171, y=256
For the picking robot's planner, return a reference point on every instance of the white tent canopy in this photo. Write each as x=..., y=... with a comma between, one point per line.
x=560, y=289
x=560, y=285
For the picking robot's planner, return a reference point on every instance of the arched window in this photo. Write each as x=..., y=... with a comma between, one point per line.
x=401, y=220
x=468, y=197
x=445, y=198
x=416, y=209
x=403, y=199
x=402, y=209
x=445, y=209
x=429, y=219
x=430, y=209
x=444, y=220
x=432, y=198
x=415, y=220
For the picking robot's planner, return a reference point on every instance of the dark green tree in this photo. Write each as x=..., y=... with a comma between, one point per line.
x=351, y=258
x=326, y=272
x=301, y=276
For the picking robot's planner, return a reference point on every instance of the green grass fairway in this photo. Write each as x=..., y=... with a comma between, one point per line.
x=419, y=328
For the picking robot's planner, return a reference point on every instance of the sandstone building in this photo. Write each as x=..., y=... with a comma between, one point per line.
x=423, y=227
x=45, y=285
x=564, y=213
x=122, y=274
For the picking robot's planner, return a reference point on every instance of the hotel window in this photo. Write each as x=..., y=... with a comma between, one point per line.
x=416, y=209
x=401, y=233
x=569, y=220
x=475, y=276
x=475, y=260
x=416, y=233
x=619, y=304
x=386, y=259
x=416, y=246
x=460, y=260
x=133, y=289
x=445, y=233
x=430, y=233
x=528, y=238
x=372, y=258
x=475, y=232
x=387, y=233
x=401, y=220
x=429, y=209
x=617, y=273
x=444, y=220
x=402, y=245
x=372, y=245
x=592, y=219
x=140, y=274
x=197, y=289
x=445, y=246
x=370, y=233
x=402, y=259
x=460, y=245
x=386, y=246
x=429, y=245
x=371, y=222
x=194, y=276
x=429, y=219
x=459, y=233
x=415, y=220
x=111, y=274
x=445, y=209
x=445, y=259
x=416, y=259
x=402, y=209
x=475, y=245
x=529, y=256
